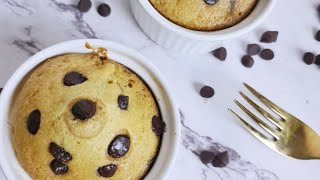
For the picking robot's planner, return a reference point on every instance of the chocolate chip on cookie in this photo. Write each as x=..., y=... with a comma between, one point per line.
x=107, y=170
x=33, y=122
x=59, y=153
x=84, y=109
x=58, y=167
x=220, y=53
x=210, y=2
x=73, y=78
x=104, y=10
x=158, y=125
x=206, y=157
x=119, y=146
x=269, y=36
x=123, y=102
x=84, y=5
x=221, y=159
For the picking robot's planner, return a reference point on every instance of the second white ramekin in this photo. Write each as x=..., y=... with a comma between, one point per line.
x=176, y=38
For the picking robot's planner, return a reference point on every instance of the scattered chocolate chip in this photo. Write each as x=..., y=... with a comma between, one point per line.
x=119, y=146
x=210, y=2
x=130, y=85
x=221, y=159
x=104, y=10
x=269, y=36
x=206, y=157
x=207, y=92
x=247, y=61
x=73, y=78
x=84, y=109
x=220, y=53
x=253, y=49
x=59, y=153
x=33, y=122
x=58, y=167
x=123, y=102
x=107, y=170
x=1, y=90
x=84, y=5
x=318, y=35
x=309, y=58
x=158, y=125
x=267, y=54
x=317, y=61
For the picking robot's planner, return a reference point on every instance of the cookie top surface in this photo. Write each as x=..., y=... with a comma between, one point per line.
x=202, y=16
x=76, y=116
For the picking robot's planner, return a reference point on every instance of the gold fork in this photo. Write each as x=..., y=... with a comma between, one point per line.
x=291, y=137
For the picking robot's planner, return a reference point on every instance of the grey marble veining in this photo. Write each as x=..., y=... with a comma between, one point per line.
x=28, y=26
x=237, y=167
x=18, y=7
x=78, y=21
x=30, y=46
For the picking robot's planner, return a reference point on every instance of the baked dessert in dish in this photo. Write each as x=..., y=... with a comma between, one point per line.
x=205, y=15
x=83, y=116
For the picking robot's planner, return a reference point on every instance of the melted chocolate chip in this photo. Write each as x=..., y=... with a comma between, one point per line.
x=220, y=53
x=59, y=153
x=119, y=146
x=58, y=167
x=104, y=10
x=158, y=126
x=123, y=102
x=207, y=92
x=206, y=157
x=33, y=122
x=73, y=78
x=221, y=159
x=84, y=5
x=84, y=109
x=210, y=2
x=269, y=36
x=107, y=170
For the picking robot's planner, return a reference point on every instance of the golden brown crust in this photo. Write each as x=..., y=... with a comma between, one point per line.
x=87, y=142
x=198, y=15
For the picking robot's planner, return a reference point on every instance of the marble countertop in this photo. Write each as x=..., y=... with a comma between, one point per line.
x=28, y=26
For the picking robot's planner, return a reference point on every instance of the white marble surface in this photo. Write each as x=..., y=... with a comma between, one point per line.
x=29, y=26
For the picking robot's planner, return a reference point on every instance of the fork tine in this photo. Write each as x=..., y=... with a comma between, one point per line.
x=267, y=115
x=253, y=130
x=282, y=113
x=265, y=126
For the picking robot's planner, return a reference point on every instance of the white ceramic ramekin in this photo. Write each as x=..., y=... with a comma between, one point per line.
x=126, y=56
x=178, y=39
